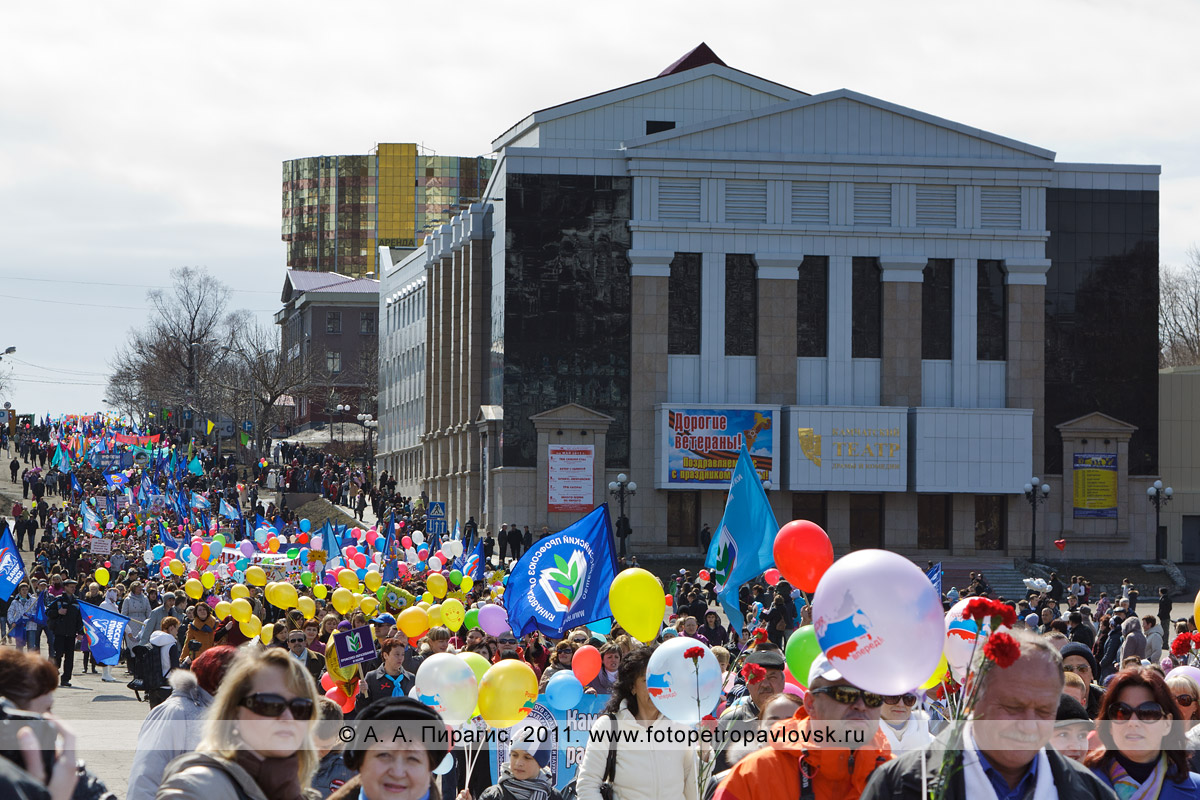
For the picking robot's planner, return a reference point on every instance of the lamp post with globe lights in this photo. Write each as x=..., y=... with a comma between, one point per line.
x=369, y=424
x=1036, y=493
x=621, y=489
x=1159, y=496
x=342, y=408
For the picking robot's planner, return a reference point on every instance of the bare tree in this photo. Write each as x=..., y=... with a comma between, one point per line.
x=1179, y=313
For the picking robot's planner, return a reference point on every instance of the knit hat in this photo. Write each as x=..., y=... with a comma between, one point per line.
x=1032, y=621
x=1071, y=711
x=532, y=738
x=1080, y=649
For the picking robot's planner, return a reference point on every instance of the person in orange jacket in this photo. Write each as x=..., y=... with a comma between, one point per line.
x=791, y=767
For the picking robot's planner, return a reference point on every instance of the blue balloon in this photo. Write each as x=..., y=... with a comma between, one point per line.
x=305, y=525
x=158, y=550
x=303, y=555
x=242, y=563
x=601, y=626
x=564, y=691
x=361, y=573
x=381, y=543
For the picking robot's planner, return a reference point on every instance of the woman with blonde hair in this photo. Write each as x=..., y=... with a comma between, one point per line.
x=258, y=740
x=1186, y=694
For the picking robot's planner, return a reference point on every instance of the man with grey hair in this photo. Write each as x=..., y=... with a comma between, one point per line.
x=1004, y=753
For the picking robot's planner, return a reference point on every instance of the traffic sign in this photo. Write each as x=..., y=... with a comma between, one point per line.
x=437, y=508
x=248, y=426
x=435, y=519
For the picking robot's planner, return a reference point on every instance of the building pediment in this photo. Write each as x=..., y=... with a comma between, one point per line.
x=572, y=414
x=1096, y=423
x=836, y=123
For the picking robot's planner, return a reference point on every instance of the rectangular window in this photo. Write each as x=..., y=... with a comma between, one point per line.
x=812, y=308
x=333, y=322
x=991, y=316
x=809, y=506
x=866, y=521
x=741, y=305
x=367, y=322
x=658, y=126
x=333, y=362
x=866, y=313
x=937, y=309
x=683, y=519
x=933, y=521
x=990, y=518
x=683, y=305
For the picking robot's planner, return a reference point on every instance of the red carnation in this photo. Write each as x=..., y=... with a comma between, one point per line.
x=694, y=653
x=981, y=608
x=753, y=674
x=1181, y=645
x=1196, y=638
x=758, y=636
x=1003, y=649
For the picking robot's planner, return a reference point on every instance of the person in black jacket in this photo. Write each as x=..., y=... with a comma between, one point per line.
x=381, y=683
x=66, y=621
x=1164, y=610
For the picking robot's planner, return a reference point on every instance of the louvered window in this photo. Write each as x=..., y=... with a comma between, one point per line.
x=745, y=201
x=679, y=198
x=810, y=203
x=936, y=206
x=872, y=204
x=1000, y=207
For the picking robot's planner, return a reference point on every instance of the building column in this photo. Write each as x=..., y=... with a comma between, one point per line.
x=900, y=367
x=965, y=353
x=1025, y=346
x=840, y=381
x=712, y=327
x=775, y=366
x=650, y=273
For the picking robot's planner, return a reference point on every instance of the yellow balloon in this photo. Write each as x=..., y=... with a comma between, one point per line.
x=348, y=579
x=427, y=597
x=1196, y=606
x=479, y=665
x=255, y=576
x=435, y=615
x=102, y=576
x=286, y=595
x=267, y=632
x=176, y=566
x=208, y=580
x=241, y=609
x=342, y=600
x=222, y=610
x=436, y=584
x=373, y=580
x=413, y=622
x=638, y=602
x=939, y=672
x=320, y=590
x=193, y=588
x=250, y=627
x=507, y=693
x=368, y=605
x=453, y=614
x=307, y=607
x=424, y=606
x=467, y=584
x=238, y=590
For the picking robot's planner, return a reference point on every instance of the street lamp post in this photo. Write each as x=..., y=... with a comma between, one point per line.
x=342, y=408
x=369, y=424
x=1159, y=496
x=1036, y=493
x=621, y=489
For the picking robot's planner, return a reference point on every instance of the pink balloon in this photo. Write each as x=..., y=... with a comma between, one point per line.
x=360, y=561
x=194, y=574
x=771, y=576
x=371, y=537
x=197, y=548
x=493, y=619
x=406, y=541
x=1188, y=671
x=793, y=689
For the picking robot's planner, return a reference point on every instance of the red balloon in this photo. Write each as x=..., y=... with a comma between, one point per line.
x=107, y=564
x=670, y=600
x=336, y=695
x=703, y=575
x=326, y=681
x=803, y=552
x=771, y=576
x=586, y=664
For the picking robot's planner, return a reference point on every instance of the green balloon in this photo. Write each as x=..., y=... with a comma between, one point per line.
x=455, y=577
x=381, y=593
x=801, y=651
x=472, y=619
x=306, y=578
x=293, y=552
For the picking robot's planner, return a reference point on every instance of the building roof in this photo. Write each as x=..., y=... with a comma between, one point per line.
x=696, y=57
x=299, y=281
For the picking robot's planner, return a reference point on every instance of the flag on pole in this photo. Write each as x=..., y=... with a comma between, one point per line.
x=195, y=467
x=935, y=577
x=563, y=580
x=211, y=425
x=472, y=566
x=116, y=480
x=164, y=535
x=76, y=487
x=12, y=569
x=104, y=631
x=200, y=502
x=228, y=511
x=245, y=437
x=391, y=571
x=91, y=522
x=742, y=548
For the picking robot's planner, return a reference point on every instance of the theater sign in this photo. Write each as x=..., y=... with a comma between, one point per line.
x=846, y=448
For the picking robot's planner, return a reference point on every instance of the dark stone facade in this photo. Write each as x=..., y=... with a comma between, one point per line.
x=566, y=292
x=1102, y=316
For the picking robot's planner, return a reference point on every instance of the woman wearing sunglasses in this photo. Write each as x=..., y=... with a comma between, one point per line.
x=904, y=723
x=258, y=740
x=1187, y=697
x=1144, y=755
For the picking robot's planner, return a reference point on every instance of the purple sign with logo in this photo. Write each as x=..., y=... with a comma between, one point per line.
x=354, y=646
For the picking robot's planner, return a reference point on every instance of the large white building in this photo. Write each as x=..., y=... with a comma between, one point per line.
x=904, y=317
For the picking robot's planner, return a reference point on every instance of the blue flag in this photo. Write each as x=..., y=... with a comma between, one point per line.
x=935, y=577
x=104, y=631
x=742, y=548
x=164, y=534
x=562, y=581
x=228, y=510
x=391, y=571
x=472, y=563
x=116, y=480
x=200, y=502
x=39, y=613
x=195, y=467
x=75, y=485
x=12, y=568
x=91, y=521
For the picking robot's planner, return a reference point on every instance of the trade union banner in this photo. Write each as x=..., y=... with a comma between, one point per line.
x=700, y=445
x=571, y=476
x=1095, y=476
x=563, y=735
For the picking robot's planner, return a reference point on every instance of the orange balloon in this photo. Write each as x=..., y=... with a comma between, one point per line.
x=586, y=664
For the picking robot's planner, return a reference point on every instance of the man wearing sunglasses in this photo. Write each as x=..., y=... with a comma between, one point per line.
x=905, y=723
x=297, y=643
x=1004, y=754
x=800, y=763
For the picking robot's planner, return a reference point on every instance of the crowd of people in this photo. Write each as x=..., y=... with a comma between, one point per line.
x=1095, y=703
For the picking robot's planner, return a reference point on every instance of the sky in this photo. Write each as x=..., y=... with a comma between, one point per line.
x=137, y=137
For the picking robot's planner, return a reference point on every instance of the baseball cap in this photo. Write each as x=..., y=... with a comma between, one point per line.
x=383, y=619
x=821, y=668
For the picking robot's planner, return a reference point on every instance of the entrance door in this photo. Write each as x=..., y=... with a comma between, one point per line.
x=1191, y=539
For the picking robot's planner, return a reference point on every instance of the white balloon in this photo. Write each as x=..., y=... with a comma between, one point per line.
x=418, y=537
x=961, y=636
x=879, y=621
x=683, y=690
x=447, y=684
x=435, y=563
